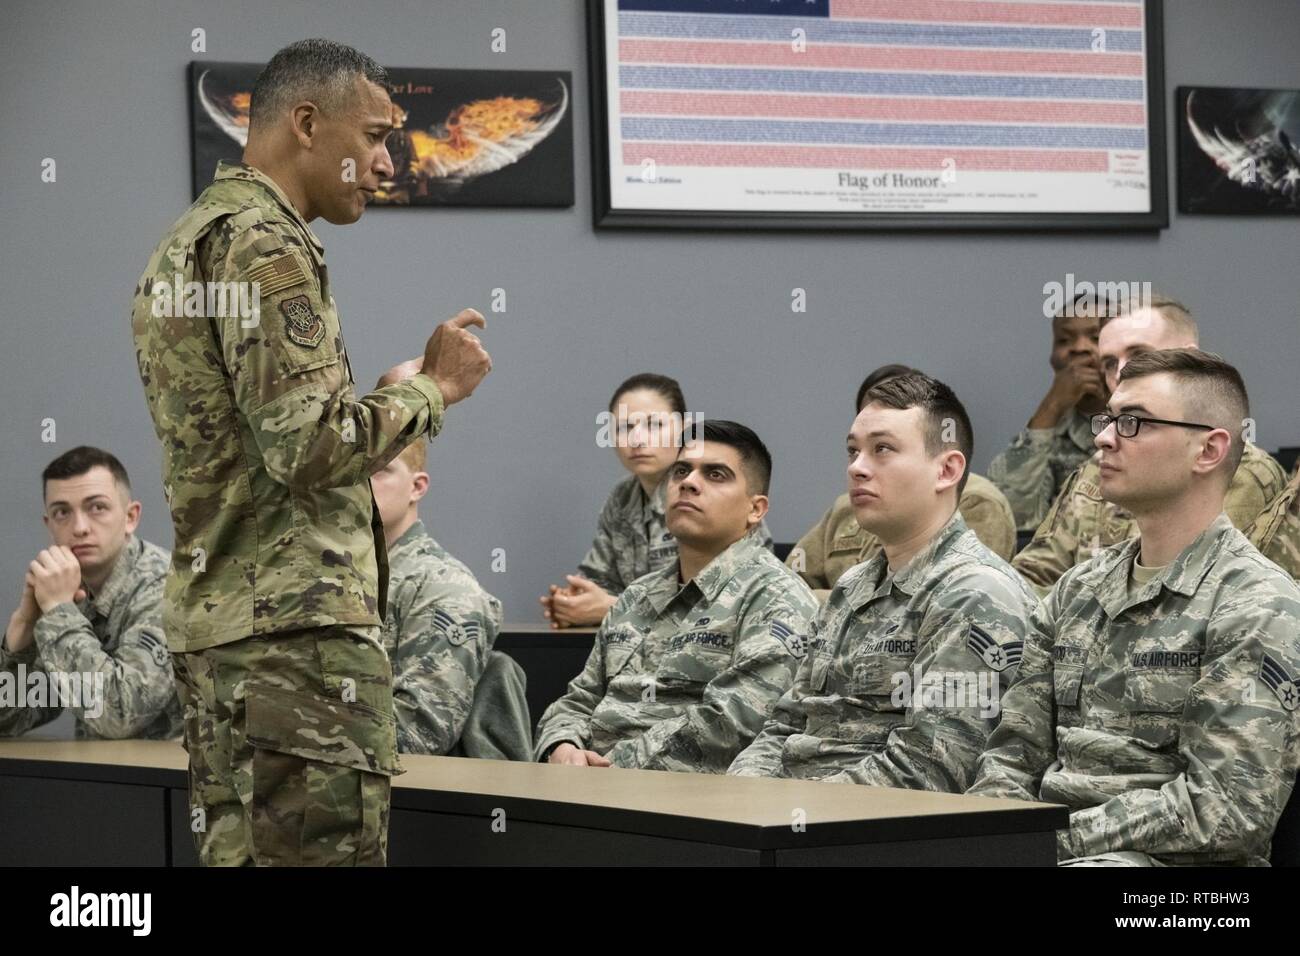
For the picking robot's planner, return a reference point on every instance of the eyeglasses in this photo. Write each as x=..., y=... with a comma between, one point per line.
x=1126, y=426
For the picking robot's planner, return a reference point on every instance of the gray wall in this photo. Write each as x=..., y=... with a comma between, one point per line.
x=102, y=88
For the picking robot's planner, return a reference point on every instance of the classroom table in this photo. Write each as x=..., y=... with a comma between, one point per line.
x=115, y=803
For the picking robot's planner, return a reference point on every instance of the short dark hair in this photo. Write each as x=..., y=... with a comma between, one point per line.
x=754, y=456
x=941, y=407
x=665, y=386
x=1211, y=388
x=1093, y=302
x=319, y=70
x=80, y=460
x=879, y=375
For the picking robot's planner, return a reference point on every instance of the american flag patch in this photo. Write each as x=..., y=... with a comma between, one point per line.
x=275, y=275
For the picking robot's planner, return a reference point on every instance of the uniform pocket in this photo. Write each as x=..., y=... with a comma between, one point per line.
x=327, y=731
x=1065, y=683
x=693, y=664
x=1158, y=691
x=874, y=678
x=1154, y=701
x=320, y=773
x=356, y=668
x=619, y=654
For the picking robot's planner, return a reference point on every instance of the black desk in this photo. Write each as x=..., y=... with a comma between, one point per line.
x=123, y=803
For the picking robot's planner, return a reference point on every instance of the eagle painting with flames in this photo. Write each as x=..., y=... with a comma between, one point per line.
x=432, y=163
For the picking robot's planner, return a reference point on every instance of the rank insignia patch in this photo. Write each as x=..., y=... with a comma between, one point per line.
x=793, y=640
x=995, y=655
x=1274, y=675
x=456, y=632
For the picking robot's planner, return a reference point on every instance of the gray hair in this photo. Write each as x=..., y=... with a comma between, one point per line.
x=318, y=70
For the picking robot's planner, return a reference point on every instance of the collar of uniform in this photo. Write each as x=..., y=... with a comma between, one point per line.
x=1185, y=572
x=713, y=577
x=1079, y=427
x=909, y=577
x=1183, y=575
x=249, y=174
x=409, y=537
x=102, y=602
x=659, y=500
x=638, y=505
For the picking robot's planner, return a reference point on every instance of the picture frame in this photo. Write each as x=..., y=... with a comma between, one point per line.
x=702, y=94
x=466, y=137
x=1238, y=151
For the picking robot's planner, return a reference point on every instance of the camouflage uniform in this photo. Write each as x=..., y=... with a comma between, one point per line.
x=867, y=703
x=116, y=633
x=286, y=766
x=1082, y=523
x=632, y=537
x=267, y=453
x=682, y=677
x=439, y=631
x=1037, y=463
x=1276, y=532
x=1162, y=714
x=836, y=543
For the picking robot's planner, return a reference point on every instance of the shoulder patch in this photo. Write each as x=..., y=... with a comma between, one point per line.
x=794, y=641
x=995, y=655
x=1282, y=684
x=456, y=632
x=156, y=648
x=275, y=275
x=301, y=324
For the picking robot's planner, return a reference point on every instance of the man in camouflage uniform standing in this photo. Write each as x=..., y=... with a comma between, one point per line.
x=687, y=664
x=908, y=658
x=1157, y=696
x=1082, y=521
x=91, y=610
x=440, y=625
x=278, y=580
x=1033, y=469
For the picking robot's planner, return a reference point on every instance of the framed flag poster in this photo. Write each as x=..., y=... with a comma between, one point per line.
x=878, y=114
